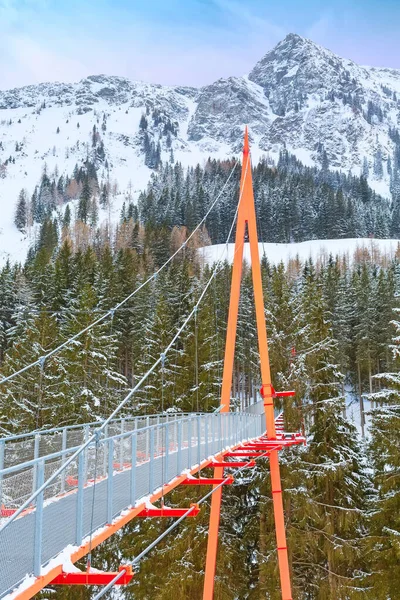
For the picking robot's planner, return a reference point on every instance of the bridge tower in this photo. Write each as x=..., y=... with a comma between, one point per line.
x=247, y=218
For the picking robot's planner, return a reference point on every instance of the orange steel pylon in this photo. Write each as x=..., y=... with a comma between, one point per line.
x=247, y=216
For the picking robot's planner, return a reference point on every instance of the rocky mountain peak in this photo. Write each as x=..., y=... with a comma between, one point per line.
x=297, y=68
x=300, y=97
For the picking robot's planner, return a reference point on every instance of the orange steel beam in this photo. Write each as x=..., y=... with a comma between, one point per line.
x=38, y=583
x=212, y=543
x=247, y=216
x=94, y=577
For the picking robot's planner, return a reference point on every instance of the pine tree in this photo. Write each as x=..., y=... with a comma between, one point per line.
x=84, y=201
x=385, y=452
x=88, y=366
x=21, y=213
x=67, y=217
x=327, y=483
x=8, y=299
x=30, y=401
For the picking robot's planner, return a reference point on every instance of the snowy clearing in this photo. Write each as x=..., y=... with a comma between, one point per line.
x=318, y=250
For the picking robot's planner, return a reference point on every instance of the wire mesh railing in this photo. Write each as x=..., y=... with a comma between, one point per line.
x=20, y=448
x=109, y=476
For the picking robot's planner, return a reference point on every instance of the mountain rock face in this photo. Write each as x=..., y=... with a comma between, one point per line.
x=327, y=110
x=299, y=96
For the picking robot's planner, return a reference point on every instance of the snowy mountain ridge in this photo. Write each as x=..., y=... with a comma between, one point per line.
x=327, y=110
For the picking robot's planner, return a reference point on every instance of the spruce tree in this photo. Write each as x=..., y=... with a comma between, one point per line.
x=385, y=452
x=84, y=201
x=327, y=482
x=21, y=213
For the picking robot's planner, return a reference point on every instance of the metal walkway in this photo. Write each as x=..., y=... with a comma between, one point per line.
x=97, y=487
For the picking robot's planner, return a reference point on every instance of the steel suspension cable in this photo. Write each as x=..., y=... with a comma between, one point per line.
x=111, y=311
x=124, y=401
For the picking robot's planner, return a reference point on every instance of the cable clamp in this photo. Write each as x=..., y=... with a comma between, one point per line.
x=112, y=312
x=42, y=360
x=162, y=355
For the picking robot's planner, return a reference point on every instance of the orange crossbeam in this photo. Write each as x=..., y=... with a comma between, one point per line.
x=255, y=453
x=234, y=465
x=7, y=512
x=166, y=511
x=208, y=480
x=93, y=577
x=268, y=391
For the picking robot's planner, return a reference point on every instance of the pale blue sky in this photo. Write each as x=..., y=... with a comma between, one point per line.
x=181, y=42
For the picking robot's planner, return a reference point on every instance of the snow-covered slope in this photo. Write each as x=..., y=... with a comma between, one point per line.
x=325, y=109
x=317, y=250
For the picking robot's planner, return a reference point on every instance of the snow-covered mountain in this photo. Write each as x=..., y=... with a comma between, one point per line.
x=325, y=109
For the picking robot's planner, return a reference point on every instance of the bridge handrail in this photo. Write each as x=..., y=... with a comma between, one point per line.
x=35, y=432
x=34, y=463
x=40, y=437
x=183, y=417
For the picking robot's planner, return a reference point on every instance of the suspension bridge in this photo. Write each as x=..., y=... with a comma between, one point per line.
x=64, y=491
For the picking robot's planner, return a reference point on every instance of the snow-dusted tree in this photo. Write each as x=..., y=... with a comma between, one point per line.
x=84, y=201
x=385, y=451
x=21, y=212
x=8, y=300
x=90, y=381
x=31, y=400
x=365, y=168
x=378, y=164
x=326, y=483
x=158, y=391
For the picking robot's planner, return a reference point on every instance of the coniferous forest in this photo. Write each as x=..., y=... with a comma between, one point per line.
x=333, y=330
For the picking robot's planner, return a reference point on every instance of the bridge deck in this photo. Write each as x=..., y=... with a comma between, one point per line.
x=67, y=517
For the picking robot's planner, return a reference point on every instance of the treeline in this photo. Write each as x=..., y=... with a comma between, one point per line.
x=329, y=330
x=294, y=203
x=58, y=292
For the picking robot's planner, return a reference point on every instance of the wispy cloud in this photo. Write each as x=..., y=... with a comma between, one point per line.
x=321, y=29
x=41, y=45
x=186, y=42
x=242, y=17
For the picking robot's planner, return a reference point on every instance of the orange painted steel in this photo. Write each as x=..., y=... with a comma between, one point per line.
x=247, y=216
x=212, y=543
x=206, y=481
x=167, y=511
x=93, y=577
